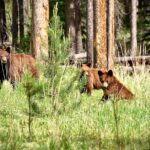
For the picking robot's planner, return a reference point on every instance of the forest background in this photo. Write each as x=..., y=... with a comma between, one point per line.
x=51, y=113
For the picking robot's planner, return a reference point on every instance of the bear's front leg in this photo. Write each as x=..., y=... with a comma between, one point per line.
x=13, y=84
x=107, y=92
x=89, y=87
x=104, y=98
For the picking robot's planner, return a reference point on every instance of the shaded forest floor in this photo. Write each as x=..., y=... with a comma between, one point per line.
x=77, y=121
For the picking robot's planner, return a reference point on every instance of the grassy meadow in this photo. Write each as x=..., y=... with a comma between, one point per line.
x=64, y=119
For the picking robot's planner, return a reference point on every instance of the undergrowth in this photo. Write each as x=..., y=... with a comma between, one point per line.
x=78, y=121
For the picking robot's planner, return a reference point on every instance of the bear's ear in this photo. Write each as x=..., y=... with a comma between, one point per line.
x=110, y=73
x=100, y=73
x=88, y=64
x=8, y=49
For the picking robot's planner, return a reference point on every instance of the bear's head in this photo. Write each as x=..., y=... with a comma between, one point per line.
x=4, y=55
x=84, y=69
x=4, y=64
x=106, y=77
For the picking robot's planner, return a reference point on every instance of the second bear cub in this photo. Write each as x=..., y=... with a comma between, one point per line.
x=113, y=87
x=93, y=81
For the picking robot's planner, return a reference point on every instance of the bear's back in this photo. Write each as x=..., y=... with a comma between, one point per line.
x=95, y=78
x=21, y=62
x=118, y=89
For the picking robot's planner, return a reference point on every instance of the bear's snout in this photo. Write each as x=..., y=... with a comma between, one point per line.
x=4, y=60
x=105, y=84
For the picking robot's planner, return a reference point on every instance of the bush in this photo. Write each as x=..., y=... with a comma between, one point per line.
x=62, y=78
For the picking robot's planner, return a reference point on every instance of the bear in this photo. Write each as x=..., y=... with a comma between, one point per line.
x=16, y=64
x=113, y=87
x=4, y=75
x=3, y=72
x=93, y=81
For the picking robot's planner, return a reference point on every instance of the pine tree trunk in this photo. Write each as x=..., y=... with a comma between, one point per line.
x=110, y=35
x=15, y=22
x=90, y=33
x=27, y=15
x=40, y=18
x=133, y=27
x=3, y=32
x=70, y=28
x=79, y=44
x=21, y=20
x=100, y=34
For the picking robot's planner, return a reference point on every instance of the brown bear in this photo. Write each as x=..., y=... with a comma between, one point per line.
x=112, y=87
x=93, y=81
x=3, y=71
x=17, y=64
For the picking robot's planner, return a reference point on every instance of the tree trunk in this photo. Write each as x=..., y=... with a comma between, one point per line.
x=90, y=34
x=100, y=34
x=14, y=23
x=3, y=33
x=127, y=12
x=79, y=44
x=40, y=18
x=21, y=20
x=133, y=28
x=27, y=15
x=70, y=28
x=110, y=34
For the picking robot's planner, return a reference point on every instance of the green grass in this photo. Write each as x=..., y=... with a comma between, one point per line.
x=78, y=121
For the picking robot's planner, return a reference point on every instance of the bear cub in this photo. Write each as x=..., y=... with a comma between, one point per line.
x=93, y=81
x=15, y=64
x=112, y=87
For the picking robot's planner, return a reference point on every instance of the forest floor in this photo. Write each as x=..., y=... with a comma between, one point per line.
x=81, y=122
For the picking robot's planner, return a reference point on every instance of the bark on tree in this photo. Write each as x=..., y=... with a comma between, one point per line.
x=127, y=11
x=27, y=15
x=110, y=34
x=15, y=7
x=40, y=18
x=90, y=33
x=21, y=20
x=70, y=29
x=133, y=27
x=3, y=30
x=79, y=44
x=100, y=42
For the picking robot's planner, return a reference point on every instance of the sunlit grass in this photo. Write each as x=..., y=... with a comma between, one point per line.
x=79, y=121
